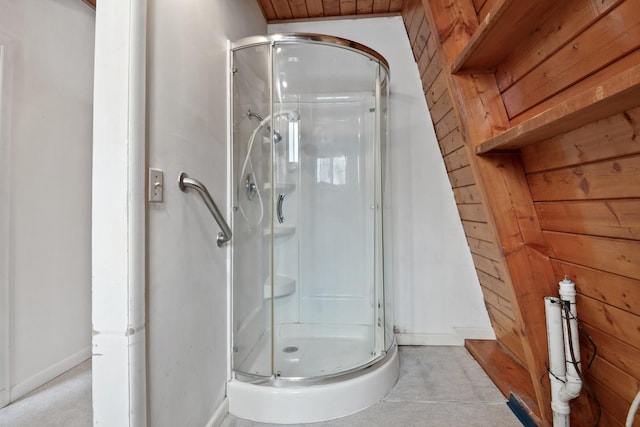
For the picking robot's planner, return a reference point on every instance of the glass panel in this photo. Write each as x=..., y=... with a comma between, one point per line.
x=385, y=180
x=325, y=313
x=251, y=244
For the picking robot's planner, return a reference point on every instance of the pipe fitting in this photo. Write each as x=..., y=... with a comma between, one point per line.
x=567, y=290
x=571, y=389
x=561, y=407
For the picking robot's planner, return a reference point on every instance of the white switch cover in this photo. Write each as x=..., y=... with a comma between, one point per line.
x=156, y=182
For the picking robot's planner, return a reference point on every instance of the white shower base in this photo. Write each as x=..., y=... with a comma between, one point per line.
x=321, y=350
x=310, y=350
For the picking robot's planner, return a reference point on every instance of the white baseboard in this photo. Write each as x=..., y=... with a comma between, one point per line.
x=4, y=398
x=475, y=333
x=220, y=414
x=455, y=339
x=429, y=339
x=46, y=375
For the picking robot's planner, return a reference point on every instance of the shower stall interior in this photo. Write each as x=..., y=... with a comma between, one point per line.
x=311, y=309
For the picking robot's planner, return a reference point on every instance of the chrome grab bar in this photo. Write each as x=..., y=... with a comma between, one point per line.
x=184, y=182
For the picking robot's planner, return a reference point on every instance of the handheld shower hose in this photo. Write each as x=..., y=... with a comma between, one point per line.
x=291, y=115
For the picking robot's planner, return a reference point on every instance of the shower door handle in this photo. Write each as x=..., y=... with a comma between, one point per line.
x=279, y=208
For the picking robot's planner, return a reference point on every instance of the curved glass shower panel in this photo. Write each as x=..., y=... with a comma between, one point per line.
x=251, y=171
x=327, y=326
x=308, y=278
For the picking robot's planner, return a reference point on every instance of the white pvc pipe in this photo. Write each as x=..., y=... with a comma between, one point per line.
x=632, y=411
x=574, y=382
x=563, y=367
x=557, y=364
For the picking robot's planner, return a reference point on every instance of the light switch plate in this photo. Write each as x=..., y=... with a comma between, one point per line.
x=156, y=184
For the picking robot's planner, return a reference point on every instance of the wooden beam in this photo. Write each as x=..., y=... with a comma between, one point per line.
x=453, y=24
x=503, y=187
x=91, y=3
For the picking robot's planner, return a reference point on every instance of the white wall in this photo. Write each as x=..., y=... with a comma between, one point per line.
x=118, y=215
x=437, y=295
x=187, y=273
x=45, y=194
x=186, y=321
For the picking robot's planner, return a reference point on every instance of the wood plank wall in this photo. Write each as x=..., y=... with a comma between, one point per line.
x=489, y=262
x=586, y=188
x=579, y=44
x=584, y=184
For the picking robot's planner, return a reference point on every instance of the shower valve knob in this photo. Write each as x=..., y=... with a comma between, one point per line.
x=250, y=186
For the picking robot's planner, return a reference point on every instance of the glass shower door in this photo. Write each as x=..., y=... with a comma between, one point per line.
x=285, y=202
x=325, y=210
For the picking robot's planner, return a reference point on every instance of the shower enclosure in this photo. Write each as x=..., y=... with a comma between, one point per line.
x=311, y=309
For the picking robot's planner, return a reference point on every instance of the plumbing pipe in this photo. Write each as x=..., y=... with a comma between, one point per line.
x=571, y=339
x=557, y=364
x=632, y=411
x=564, y=364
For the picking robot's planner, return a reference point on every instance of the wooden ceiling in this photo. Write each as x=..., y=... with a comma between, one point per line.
x=283, y=10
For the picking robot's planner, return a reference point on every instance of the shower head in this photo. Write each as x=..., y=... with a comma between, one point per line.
x=291, y=115
x=251, y=114
x=276, y=135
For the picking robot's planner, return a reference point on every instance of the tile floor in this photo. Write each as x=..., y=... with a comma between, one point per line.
x=438, y=386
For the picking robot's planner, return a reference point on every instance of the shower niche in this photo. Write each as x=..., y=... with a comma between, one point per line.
x=312, y=335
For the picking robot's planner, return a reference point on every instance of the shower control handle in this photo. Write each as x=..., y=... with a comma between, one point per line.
x=279, y=208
